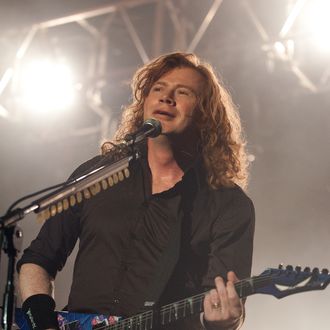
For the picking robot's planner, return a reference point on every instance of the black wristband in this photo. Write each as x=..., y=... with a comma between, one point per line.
x=39, y=312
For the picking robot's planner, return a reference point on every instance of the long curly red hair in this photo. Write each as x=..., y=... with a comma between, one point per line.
x=220, y=133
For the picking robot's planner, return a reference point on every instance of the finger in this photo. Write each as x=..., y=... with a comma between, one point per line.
x=214, y=297
x=209, y=301
x=222, y=292
x=233, y=298
x=231, y=276
x=232, y=279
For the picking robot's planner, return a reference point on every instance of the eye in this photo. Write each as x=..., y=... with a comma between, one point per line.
x=183, y=91
x=156, y=88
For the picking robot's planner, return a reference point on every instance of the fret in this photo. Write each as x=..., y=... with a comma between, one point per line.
x=165, y=315
x=190, y=305
x=126, y=324
x=131, y=322
x=140, y=322
x=174, y=311
x=181, y=309
x=149, y=318
x=184, y=308
x=249, y=286
x=171, y=313
x=241, y=288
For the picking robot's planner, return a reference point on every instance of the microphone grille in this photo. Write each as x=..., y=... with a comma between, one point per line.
x=153, y=127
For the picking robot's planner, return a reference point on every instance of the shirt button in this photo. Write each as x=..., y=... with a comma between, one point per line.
x=115, y=301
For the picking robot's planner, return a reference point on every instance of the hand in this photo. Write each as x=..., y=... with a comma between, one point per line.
x=223, y=309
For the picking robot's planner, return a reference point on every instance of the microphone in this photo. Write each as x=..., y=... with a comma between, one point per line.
x=150, y=128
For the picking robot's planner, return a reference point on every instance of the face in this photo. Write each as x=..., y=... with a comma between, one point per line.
x=173, y=100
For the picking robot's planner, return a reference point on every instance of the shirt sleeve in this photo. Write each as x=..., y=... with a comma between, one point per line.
x=231, y=244
x=57, y=236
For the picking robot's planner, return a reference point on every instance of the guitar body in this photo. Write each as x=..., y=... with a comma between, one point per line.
x=72, y=321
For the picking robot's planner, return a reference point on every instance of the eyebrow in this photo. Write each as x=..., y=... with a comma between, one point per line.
x=163, y=83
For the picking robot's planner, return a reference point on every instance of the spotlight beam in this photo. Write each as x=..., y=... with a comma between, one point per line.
x=325, y=78
x=256, y=22
x=157, y=40
x=27, y=41
x=10, y=72
x=135, y=38
x=93, y=13
x=304, y=80
x=89, y=27
x=205, y=24
x=5, y=79
x=291, y=18
x=179, y=23
x=172, y=9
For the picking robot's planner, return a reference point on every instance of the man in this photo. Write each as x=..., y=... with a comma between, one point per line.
x=180, y=224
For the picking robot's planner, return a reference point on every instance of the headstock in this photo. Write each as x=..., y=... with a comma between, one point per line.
x=284, y=281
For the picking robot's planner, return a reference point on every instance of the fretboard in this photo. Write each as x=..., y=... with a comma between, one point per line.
x=183, y=308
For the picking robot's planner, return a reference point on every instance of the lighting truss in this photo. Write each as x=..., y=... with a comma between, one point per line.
x=279, y=49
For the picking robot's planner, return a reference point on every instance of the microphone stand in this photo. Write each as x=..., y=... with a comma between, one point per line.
x=9, y=220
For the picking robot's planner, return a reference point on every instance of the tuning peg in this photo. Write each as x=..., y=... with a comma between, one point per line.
x=95, y=188
x=325, y=271
x=115, y=178
x=72, y=200
x=298, y=269
x=53, y=210
x=126, y=172
x=110, y=181
x=59, y=207
x=289, y=268
x=316, y=270
x=307, y=270
x=87, y=193
x=65, y=204
x=79, y=197
x=104, y=184
x=121, y=176
x=280, y=266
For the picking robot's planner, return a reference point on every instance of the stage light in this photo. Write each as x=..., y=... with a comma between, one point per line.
x=279, y=48
x=46, y=86
x=317, y=23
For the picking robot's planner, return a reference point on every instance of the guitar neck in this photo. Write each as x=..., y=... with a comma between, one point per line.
x=183, y=308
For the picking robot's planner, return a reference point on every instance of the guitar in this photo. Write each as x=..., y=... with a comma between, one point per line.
x=280, y=282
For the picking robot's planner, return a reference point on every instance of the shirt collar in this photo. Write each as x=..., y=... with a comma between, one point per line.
x=196, y=171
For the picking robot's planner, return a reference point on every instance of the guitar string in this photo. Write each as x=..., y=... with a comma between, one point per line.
x=167, y=308
x=182, y=303
x=147, y=316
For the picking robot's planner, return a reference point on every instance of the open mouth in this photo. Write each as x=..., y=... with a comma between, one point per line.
x=164, y=113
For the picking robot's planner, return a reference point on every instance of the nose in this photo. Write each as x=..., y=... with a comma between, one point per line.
x=168, y=100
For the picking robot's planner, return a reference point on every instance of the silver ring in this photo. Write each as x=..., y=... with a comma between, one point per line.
x=216, y=306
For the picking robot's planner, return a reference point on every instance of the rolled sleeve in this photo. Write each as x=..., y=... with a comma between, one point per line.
x=53, y=244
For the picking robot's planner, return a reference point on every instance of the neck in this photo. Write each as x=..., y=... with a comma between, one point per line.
x=165, y=152
x=167, y=161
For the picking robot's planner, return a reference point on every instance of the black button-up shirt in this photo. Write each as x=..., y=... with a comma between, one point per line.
x=125, y=230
